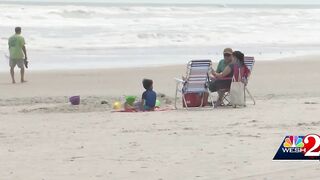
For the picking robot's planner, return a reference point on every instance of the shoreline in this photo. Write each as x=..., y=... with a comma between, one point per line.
x=304, y=58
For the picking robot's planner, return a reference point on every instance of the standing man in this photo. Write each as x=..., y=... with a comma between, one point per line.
x=18, y=54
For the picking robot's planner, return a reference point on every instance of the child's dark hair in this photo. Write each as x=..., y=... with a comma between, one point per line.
x=147, y=83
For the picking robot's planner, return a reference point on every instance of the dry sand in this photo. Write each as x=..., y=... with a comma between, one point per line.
x=43, y=137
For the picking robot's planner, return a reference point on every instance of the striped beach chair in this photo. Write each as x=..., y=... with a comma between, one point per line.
x=196, y=81
x=249, y=62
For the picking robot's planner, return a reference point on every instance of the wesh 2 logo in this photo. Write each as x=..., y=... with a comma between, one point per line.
x=299, y=148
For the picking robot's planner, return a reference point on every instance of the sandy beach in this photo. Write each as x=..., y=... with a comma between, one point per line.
x=42, y=137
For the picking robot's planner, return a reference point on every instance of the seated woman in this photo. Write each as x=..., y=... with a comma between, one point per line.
x=221, y=82
x=240, y=65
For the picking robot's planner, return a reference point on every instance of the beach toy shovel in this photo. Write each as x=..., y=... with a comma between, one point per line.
x=74, y=100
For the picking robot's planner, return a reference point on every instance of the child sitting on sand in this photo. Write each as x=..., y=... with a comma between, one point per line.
x=149, y=97
x=148, y=100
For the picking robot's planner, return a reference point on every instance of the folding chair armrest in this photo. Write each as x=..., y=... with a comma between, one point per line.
x=178, y=80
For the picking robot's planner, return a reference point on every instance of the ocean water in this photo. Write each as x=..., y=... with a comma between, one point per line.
x=105, y=35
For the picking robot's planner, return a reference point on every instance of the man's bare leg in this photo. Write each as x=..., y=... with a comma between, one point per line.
x=22, y=75
x=221, y=94
x=12, y=75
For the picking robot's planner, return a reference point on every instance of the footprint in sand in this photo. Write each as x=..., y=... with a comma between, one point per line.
x=310, y=102
x=309, y=124
x=75, y=158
